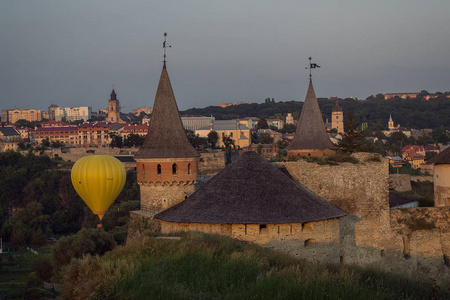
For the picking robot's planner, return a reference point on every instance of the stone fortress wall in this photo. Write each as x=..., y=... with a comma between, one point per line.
x=414, y=241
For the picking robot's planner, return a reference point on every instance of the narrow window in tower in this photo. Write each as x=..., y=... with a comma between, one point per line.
x=143, y=170
x=158, y=169
x=189, y=169
x=174, y=169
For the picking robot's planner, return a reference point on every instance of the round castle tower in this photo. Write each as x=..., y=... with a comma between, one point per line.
x=166, y=164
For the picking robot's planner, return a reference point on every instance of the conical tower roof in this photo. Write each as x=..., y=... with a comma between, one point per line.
x=337, y=108
x=310, y=133
x=251, y=191
x=166, y=137
x=113, y=95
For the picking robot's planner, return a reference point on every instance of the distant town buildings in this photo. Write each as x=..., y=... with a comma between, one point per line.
x=146, y=110
x=232, y=103
x=71, y=114
x=401, y=95
x=240, y=134
x=289, y=119
x=196, y=122
x=14, y=115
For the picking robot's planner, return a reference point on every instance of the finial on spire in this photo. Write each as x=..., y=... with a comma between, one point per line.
x=165, y=45
x=311, y=66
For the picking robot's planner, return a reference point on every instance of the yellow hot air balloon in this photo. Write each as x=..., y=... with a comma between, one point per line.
x=98, y=179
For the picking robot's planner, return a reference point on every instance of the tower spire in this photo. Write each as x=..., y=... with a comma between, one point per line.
x=165, y=45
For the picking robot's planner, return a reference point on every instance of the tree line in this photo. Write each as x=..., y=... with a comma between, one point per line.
x=416, y=113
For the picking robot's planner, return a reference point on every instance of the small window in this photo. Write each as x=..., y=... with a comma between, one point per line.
x=158, y=169
x=263, y=229
x=143, y=170
x=174, y=169
x=189, y=169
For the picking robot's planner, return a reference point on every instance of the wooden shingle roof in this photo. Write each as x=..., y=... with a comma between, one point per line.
x=442, y=158
x=251, y=191
x=166, y=137
x=311, y=132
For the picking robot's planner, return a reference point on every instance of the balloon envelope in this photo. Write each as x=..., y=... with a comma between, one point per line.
x=98, y=179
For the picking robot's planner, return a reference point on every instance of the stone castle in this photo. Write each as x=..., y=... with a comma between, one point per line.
x=334, y=213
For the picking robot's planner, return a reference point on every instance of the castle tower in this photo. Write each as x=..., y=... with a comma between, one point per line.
x=310, y=138
x=337, y=118
x=166, y=163
x=113, y=108
x=391, y=123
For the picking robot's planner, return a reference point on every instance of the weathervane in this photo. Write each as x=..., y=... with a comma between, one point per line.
x=165, y=45
x=311, y=66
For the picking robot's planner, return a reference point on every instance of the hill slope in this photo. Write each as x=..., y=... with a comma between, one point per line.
x=200, y=266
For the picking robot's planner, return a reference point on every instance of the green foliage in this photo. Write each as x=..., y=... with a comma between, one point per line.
x=426, y=201
x=195, y=140
x=213, y=137
x=415, y=113
x=423, y=188
x=289, y=128
x=265, y=138
x=201, y=266
x=86, y=241
x=133, y=140
x=262, y=124
x=352, y=140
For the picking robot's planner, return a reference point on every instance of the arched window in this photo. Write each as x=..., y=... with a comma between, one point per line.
x=158, y=169
x=174, y=169
x=189, y=168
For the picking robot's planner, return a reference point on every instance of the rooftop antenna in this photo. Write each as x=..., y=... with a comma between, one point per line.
x=311, y=66
x=165, y=45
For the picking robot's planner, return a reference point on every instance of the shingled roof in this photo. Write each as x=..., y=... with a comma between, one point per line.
x=251, y=191
x=336, y=108
x=310, y=133
x=166, y=137
x=442, y=158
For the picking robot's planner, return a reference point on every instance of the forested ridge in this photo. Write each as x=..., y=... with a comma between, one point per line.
x=416, y=113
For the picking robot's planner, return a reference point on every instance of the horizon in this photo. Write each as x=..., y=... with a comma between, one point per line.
x=71, y=54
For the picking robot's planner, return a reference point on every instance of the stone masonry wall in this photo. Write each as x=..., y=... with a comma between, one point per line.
x=304, y=240
x=158, y=197
x=210, y=163
x=361, y=189
x=400, y=182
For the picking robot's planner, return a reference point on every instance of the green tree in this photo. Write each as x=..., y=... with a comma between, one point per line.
x=265, y=138
x=116, y=140
x=262, y=124
x=440, y=135
x=213, y=137
x=352, y=140
x=86, y=241
x=289, y=128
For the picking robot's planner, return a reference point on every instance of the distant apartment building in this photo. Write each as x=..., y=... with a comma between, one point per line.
x=65, y=134
x=232, y=103
x=146, y=110
x=14, y=115
x=51, y=111
x=401, y=95
x=196, y=122
x=140, y=130
x=93, y=134
x=279, y=124
x=69, y=114
x=250, y=122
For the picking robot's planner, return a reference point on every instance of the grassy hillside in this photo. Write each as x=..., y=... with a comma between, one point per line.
x=200, y=266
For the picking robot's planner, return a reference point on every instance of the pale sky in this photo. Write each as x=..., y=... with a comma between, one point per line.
x=72, y=52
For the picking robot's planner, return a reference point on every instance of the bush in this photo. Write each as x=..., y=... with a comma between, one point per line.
x=426, y=201
x=86, y=241
x=43, y=268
